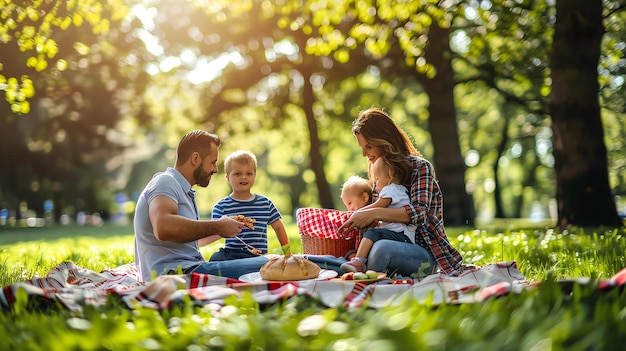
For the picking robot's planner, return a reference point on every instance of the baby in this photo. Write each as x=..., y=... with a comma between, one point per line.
x=356, y=193
x=390, y=195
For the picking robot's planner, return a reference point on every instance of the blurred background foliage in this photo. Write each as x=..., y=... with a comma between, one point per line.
x=98, y=94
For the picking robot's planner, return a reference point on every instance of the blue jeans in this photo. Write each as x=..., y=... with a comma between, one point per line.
x=232, y=268
x=375, y=234
x=237, y=268
x=395, y=257
x=224, y=254
x=389, y=256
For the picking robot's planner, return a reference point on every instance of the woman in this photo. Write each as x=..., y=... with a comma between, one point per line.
x=379, y=136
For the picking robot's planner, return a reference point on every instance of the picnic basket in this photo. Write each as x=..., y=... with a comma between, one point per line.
x=318, y=229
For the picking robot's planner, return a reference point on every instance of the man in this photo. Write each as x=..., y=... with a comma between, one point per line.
x=168, y=231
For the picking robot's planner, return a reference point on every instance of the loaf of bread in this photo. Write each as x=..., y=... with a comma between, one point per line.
x=287, y=268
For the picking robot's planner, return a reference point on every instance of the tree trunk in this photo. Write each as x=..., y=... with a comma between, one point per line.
x=529, y=181
x=448, y=160
x=497, y=191
x=317, y=162
x=582, y=188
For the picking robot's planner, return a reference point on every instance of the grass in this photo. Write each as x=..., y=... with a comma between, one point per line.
x=546, y=318
x=13, y=235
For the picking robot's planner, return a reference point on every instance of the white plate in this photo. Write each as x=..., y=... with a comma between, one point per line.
x=256, y=276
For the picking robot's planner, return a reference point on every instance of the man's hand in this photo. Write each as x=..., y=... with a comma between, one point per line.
x=247, y=222
x=229, y=227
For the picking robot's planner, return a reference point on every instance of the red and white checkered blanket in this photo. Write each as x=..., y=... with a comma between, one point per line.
x=74, y=287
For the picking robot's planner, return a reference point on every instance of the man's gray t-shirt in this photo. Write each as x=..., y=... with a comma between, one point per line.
x=161, y=256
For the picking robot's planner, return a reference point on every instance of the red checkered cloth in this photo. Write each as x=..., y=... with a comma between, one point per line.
x=76, y=287
x=323, y=222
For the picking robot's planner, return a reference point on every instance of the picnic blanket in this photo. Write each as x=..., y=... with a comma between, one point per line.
x=75, y=287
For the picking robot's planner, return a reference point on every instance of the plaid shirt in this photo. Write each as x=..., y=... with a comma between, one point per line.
x=426, y=211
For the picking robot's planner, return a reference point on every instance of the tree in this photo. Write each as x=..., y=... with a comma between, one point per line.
x=28, y=34
x=409, y=38
x=61, y=138
x=583, y=194
x=442, y=123
x=283, y=80
x=506, y=54
x=518, y=34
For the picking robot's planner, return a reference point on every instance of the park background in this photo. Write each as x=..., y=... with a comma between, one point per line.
x=99, y=93
x=518, y=104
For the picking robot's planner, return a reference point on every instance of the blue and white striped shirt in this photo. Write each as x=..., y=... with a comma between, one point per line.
x=261, y=208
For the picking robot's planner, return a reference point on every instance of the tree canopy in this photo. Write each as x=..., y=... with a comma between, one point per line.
x=90, y=113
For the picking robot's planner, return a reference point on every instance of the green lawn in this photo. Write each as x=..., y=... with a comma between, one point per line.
x=546, y=318
x=12, y=235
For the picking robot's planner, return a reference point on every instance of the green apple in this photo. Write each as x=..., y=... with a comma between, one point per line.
x=360, y=276
x=371, y=274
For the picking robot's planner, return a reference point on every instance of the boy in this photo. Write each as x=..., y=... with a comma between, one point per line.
x=240, y=173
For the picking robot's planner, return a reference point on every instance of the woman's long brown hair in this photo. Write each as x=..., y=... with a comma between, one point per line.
x=380, y=131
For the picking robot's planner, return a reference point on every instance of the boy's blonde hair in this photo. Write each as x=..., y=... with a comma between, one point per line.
x=357, y=185
x=239, y=156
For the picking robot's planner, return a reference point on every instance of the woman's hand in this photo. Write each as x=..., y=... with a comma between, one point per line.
x=360, y=219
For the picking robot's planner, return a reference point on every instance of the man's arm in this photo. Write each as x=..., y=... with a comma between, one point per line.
x=169, y=226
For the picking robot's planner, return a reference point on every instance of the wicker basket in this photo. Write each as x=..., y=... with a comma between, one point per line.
x=328, y=246
x=318, y=229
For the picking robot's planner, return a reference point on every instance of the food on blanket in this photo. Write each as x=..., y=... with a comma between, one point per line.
x=284, y=268
x=348, y=276
x=368, y=275
x=371, y=274
x=360, y=276
x=248, y=222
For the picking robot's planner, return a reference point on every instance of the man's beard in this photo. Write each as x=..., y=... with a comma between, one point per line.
x=201, y=177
